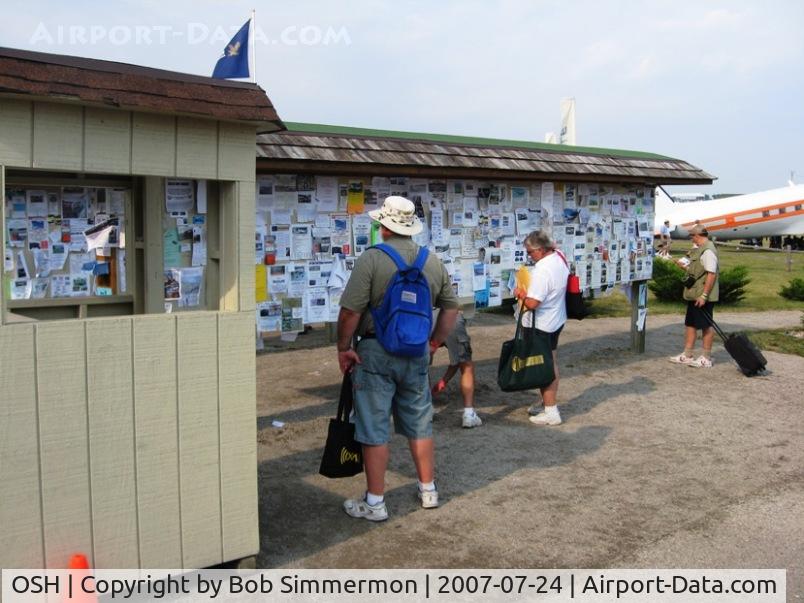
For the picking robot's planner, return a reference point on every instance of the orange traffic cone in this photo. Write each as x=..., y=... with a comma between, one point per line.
x=78, y=561
x=80, y=576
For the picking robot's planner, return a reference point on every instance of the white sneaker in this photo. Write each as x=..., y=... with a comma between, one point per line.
x=360, y=508
x=543, y=419
x=701, y=362
x=429, y=498
x=470, y=421
x=682, y=359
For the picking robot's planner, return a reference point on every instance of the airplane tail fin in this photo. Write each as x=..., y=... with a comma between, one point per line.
x=664, y=207
x=664, y=202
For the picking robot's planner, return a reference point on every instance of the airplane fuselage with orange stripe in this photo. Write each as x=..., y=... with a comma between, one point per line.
x=770, y=213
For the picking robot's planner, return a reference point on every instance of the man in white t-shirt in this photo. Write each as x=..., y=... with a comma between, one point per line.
x=546, y=296
x=664, y=234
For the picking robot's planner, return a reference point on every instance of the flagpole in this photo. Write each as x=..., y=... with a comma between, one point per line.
x=253, y=45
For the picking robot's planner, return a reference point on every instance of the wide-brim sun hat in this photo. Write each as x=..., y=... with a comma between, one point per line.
x=398, y=215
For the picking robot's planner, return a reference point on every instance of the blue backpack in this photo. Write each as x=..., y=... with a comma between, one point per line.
x=404, y=319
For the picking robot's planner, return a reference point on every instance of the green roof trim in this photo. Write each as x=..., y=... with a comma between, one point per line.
x=304, y=128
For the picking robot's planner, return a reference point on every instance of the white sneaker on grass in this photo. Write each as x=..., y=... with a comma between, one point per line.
x=543, y=419
x=360, y=508
x=429, y=498
x=682, y=359
x=470, y=421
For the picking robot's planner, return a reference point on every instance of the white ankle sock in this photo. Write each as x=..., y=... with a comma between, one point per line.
x=429, y=486
x=552, y=412
x=374, y=499
x=468, y=411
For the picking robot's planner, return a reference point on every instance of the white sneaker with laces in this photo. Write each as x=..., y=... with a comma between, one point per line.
x=360, y=508
x=682, y=359
x=543, y=419
x=429, y=498
x=470, y=421
x=701, y=362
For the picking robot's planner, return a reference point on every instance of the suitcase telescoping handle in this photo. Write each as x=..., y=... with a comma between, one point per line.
x=712, y=322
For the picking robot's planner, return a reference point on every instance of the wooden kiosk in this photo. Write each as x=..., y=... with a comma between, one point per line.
x=127, y=418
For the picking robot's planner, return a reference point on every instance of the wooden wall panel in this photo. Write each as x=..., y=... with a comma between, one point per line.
x=238, y=435
x=197, y=148
x=107, y=140
x=110, y=390
x=237, y=156
x=21, y=539
x=61, y=386
x=199, y=452
x=153, y=145
x=58, y=136
x=156, y=441
x=16, y=142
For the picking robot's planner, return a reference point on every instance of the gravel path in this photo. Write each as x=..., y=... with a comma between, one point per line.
x=656, y=465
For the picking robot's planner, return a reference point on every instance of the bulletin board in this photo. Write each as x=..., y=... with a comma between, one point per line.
x=310, y=229
x=65, y=243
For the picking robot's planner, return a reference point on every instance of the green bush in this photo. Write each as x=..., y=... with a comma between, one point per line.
x=793, y=290
x=666, y=282
x=667, y=286
x=732, y=284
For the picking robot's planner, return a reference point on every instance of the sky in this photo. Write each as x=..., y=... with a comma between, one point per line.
x=717, y=83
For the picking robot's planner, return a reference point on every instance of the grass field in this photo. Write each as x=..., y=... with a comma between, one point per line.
x=785, y=341
x=767, y=271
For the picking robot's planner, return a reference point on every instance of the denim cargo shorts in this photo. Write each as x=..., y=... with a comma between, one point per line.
x=385, y=385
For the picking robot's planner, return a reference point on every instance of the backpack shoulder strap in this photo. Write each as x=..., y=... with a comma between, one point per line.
x=421, y=259
x=393, y=254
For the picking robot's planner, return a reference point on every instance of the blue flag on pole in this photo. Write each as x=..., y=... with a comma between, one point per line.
x=234, y=62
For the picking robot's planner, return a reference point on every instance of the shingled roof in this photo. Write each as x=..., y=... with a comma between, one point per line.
x=132, y=87
x=342, y=150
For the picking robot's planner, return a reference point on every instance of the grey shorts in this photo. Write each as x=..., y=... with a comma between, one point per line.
x=384, y=385
x=458, y=343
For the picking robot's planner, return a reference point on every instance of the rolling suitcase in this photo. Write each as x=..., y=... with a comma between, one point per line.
x=747, y=356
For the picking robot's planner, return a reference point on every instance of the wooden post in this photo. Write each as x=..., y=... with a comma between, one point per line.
x=3, y=284
x=789, y=260
x=154, y=279
x=639, y=306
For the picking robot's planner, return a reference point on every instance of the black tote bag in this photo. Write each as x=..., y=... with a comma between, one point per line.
x=526, y=361
x=343, y=457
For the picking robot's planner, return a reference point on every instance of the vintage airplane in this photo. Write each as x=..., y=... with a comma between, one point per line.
x=777, y=212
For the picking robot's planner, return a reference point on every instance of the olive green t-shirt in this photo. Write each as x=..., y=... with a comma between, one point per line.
x=373, y=271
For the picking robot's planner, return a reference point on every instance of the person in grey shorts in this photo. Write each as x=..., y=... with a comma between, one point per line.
x=459, y=346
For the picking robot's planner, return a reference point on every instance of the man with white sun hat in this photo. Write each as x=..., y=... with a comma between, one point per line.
x=386, y=383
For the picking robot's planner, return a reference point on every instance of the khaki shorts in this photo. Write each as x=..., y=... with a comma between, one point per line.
x=458, y=343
